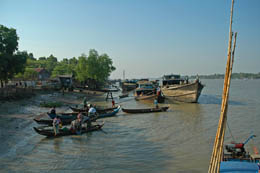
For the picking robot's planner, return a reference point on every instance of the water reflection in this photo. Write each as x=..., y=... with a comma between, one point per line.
x=214, y=99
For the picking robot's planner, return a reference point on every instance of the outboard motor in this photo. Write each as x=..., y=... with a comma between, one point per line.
x=237, y=149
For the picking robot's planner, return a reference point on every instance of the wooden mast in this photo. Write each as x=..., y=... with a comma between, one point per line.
x=218, y=144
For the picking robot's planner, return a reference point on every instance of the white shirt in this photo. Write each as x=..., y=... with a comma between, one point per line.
x=92, y=110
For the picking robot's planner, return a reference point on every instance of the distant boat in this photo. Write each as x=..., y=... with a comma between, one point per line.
x=128, y=86
x=179, y=89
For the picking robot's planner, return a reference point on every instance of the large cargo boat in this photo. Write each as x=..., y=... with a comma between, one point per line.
x=175, y=88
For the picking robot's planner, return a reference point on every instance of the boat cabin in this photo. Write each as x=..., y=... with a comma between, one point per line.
x=173, y=80
x=145, y=88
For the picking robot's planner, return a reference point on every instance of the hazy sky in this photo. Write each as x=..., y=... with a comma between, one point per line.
x=146, y=38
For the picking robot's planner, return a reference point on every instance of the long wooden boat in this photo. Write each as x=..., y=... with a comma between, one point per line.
x=49, y=122
x=147, y=110
x=65, y=132
x=62, y=117
x=109, y=114
x=175, y=88
x=67, y=121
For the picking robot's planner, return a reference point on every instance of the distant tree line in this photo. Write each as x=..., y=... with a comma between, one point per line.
x=21, y=64
x=233, y=76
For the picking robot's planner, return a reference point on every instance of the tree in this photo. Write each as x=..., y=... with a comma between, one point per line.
x=81, y=69
x=51, y=62
x=11, y=62
x=63, y=68
x=30, y=73
x=97, y=67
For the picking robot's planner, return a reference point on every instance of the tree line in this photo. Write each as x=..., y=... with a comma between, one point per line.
x=233, y=76
x=21, y=64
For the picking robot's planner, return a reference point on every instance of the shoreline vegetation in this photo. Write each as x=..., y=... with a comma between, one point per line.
x=233, y=76
x=92, y=70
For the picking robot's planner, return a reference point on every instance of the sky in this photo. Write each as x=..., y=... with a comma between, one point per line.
x=146, y=38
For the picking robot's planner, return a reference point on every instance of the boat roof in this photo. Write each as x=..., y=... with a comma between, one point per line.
x=145, y=82
x=238, y=167
x=172, y=76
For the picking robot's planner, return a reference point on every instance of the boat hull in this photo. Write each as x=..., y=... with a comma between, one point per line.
x=50, y=132
x=147, y=110
x=188, y=93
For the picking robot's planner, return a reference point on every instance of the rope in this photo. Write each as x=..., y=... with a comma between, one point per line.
x=230, y=132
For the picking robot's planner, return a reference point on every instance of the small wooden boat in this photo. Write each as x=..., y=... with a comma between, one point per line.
x=71, y=113
x=109, y=114
x=65, y=132
x=62, y=117
x=49, y=122
x=147, y=110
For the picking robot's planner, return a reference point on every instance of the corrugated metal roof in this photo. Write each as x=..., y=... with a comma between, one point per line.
x=238, y=167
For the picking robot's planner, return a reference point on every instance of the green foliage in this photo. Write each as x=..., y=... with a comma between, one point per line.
x=51, y=62
x=82, y=69
x=11, y=62
x=30, y=74
x=98, y=67
x=8, y=40
x=63, y=68
x=51, y=104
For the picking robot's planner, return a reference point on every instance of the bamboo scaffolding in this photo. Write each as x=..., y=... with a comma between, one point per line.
x=218, y=144
x=220, y=149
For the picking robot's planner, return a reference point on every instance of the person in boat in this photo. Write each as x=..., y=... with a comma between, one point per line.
x=56, y=124
x=156, y=103
x=92, y=111
x=76, y=125
x=113, y=103
x=85, y=103
x=158, y=91
x=53, y=110
x=88, y=120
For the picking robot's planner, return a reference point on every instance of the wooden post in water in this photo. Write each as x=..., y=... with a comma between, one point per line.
x=218, y=144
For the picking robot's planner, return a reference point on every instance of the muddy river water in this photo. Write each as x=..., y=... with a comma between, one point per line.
x=179, y=140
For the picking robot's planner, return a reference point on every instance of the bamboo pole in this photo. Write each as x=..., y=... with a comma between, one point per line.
x=219, y=135
x=220, y=153
x=219, y=146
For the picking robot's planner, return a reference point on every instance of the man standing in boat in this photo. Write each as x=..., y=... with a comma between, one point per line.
x=85, y=103
x=113, y=103
x=158, y=91
x=53, y=110
x=156, y=103
x=91, y=113
x=56, y=124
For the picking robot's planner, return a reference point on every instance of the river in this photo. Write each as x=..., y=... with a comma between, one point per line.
x=179, y=140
